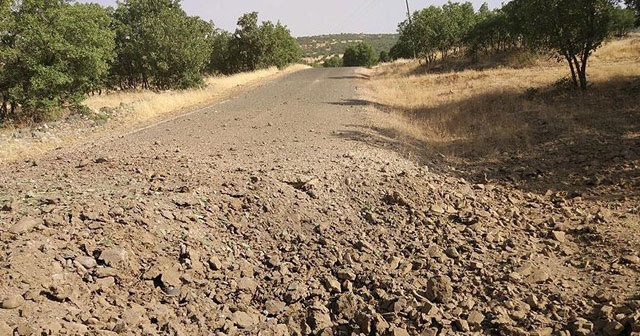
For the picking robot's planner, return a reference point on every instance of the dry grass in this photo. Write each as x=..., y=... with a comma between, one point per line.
x=627, y=49
x=475, y=113
x=143, y=107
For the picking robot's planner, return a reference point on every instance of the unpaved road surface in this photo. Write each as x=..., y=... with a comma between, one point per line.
x=274, y=214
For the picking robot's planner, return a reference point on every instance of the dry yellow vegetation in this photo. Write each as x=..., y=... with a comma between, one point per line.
x=475, y=114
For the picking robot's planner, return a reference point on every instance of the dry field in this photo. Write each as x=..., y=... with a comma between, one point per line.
x=495, y=121
x=488, y=111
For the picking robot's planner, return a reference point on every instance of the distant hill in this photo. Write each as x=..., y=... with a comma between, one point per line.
x=322, y=46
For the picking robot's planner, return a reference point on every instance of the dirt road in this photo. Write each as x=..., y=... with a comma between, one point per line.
x=273, y=213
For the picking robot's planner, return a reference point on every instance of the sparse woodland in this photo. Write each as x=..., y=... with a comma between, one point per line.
x=569, y=30
x=55, y=52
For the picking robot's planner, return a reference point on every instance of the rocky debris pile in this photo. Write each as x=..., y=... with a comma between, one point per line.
x=74, y=126
x=389, y=249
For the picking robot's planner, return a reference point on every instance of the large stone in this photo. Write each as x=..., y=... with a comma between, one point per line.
x=560, y=236
x=87, y=262
x=318, y=318
x=12, y=302
x=475, y=318
x=248, y=285
x=114, y=257
x=243, y=320
x=613, y=328
x=397, y=332
x=5, y=330
x=345, y=274
x=439, y=289
x=348, y=305
x=24, y=225
x=332, y=285
x=538, y=276
x=274, y=307
x=461, y=325
x=215, y=264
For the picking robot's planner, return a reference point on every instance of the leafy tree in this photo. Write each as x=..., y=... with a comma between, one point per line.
x=159, y=45
x=246, y=46
x=435, y=29
x=280, y=48
x=430, y=32
x=635, y=5
x=405, y=47
x=572, y=29
x=361, y=54
x=53, y=53
x=460, y=19
x=622, y=21
x=491, y=33
x=254, y=46
x=7, y=56
x=220, y=60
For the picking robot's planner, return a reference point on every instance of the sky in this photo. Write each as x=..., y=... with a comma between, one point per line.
x=305, y=18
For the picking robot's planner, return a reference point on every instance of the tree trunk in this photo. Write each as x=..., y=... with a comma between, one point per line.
x=574, y=76
x=582, y=71
x=3, y=110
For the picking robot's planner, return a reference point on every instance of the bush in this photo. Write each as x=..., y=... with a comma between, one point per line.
x=384, y=57
x=362, y=54
x=332, y=62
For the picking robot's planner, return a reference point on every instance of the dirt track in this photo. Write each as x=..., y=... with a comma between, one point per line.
x=274, y=213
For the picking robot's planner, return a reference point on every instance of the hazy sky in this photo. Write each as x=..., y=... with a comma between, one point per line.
x=311, y=17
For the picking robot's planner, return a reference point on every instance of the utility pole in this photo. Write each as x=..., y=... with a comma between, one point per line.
x=408, y=11
x=411, y=25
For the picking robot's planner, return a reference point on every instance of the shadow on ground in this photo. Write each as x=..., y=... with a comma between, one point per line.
x=593, y=150
x=354, y=76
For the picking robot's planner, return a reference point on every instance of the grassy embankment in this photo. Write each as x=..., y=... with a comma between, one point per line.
x=487, y=114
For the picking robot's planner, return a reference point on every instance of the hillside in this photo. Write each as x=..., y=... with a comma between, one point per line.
x=317, y=47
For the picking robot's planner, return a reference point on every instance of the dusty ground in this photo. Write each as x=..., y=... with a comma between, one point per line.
x=283, y=211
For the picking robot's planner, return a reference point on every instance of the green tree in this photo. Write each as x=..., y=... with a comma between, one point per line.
x=406, y=46
x=491, y=33
x=435, y=29
x=246, y=46
x=572, y=29
x=220, y=61
x=53, y=53
x=254, y=46
x=623, y=21
x=159, y=46
x=280, y=48
x=635, y=5
x=459, y=19
x=361, y=54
